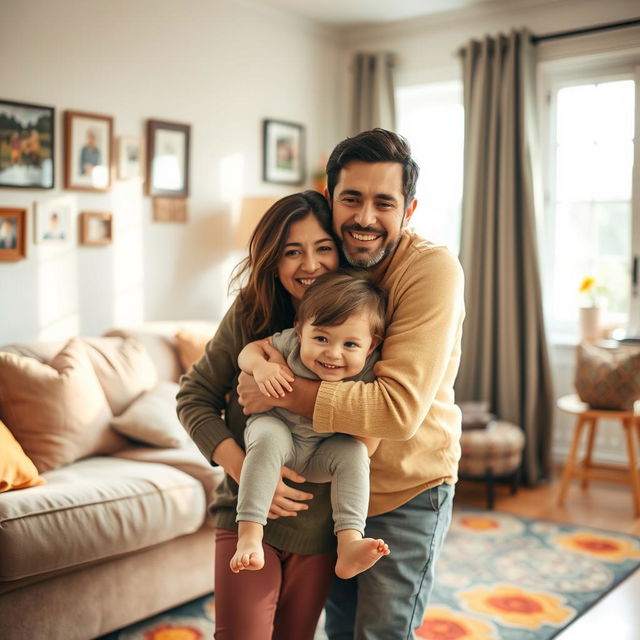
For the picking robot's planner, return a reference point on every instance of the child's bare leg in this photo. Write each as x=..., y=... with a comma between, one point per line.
x=356, y=554
x=249, y=552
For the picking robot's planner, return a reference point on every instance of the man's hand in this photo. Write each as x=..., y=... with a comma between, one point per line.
x=286, y=500
x=250, y=397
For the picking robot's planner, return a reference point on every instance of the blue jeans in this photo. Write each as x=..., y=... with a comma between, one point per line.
x=387, y=601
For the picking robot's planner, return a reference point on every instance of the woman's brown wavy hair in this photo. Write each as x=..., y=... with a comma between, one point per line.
x=264, y=304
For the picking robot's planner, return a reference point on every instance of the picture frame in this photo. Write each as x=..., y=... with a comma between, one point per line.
x=96, y=228
x=167, y=159
x=13, y=234
x=27, y=145
x=283, y=152
x=54, y=219
x=130, y=151
x=88, y=153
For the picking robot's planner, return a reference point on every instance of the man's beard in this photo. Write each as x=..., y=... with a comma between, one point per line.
x=366, y=260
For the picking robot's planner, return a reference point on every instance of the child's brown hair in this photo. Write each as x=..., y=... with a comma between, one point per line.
x=335, y=296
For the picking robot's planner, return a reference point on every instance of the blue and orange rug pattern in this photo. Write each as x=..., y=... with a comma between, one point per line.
x=499, y=577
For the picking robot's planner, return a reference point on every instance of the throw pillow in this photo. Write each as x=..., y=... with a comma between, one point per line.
x=608, y=378
x=152, y=418
x=57, y=411
x=190, y=346
x=16, y=470
x=124, y=369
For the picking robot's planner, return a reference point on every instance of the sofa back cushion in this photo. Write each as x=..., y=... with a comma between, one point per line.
x=124, y=368
x=57, y=411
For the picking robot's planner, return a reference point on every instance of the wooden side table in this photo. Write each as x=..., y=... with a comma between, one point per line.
x=587, y=420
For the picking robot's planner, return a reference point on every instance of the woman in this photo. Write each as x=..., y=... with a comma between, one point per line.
x=292, y=245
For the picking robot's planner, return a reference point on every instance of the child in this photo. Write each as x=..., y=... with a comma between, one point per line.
x=339, y=324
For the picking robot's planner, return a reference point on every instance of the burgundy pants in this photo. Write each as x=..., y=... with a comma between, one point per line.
x=283, y=601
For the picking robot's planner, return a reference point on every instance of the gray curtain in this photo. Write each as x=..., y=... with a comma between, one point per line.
x=504, y=351
x=373, y=99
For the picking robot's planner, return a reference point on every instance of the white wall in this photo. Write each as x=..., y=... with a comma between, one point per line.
x=220, y=65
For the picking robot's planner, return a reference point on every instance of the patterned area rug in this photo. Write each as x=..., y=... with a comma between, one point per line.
x=500, y=577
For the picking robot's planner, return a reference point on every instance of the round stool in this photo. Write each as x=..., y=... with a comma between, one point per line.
x=587, y=420
x=490, y=453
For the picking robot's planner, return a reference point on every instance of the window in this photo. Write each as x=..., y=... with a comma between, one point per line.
x=588, y=218
x=431, y=117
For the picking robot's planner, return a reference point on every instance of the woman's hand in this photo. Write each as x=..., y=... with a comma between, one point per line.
x=250, y=397
x=287, y=500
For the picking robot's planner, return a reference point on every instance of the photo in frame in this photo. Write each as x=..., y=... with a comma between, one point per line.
x=13, y=234
x=88, y=153
x=167, y=159
x=96, y=229
x=130, y=157
x=54, y=219
x=26, y=145
x=283, y=152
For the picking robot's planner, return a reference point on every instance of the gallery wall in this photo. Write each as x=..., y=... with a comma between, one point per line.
x=221, y=67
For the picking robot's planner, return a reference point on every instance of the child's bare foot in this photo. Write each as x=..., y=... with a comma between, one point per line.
x=356, y=555
x=249, y=555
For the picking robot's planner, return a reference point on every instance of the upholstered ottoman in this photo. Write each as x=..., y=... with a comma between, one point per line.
x=492, y=452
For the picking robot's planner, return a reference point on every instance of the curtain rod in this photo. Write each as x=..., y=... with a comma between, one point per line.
x=579, y=32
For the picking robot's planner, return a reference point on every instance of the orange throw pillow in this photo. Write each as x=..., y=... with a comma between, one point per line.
x=190, y=347
x=16, y=470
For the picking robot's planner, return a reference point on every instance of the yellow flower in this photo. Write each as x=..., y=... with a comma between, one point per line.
x=606, y=547
x=441, y=623
x=171, y=632
x=586, y=284
x=513, y=606
x=479, y=523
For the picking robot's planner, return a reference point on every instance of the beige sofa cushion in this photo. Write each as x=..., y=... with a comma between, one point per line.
x=124, y=368
x=190, y=345
x=57, y=412
x=152, y=418
x=95, y=509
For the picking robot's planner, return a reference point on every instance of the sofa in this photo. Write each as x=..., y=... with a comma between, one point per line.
x=103, y=503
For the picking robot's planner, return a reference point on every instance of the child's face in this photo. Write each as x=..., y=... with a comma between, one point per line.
x=338, y=352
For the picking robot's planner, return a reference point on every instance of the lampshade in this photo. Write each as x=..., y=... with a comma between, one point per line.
x=252, y=210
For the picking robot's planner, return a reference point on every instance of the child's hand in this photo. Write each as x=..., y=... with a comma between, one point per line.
x=273, y=378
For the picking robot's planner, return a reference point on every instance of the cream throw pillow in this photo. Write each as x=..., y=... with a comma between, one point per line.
x=124, y=369
x=152, y=418
x=16, y=470
x=57, y=412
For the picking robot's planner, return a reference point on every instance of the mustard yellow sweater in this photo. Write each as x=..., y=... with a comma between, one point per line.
x=411, y=403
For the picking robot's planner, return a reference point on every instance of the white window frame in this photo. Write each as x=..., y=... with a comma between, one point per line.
x=552, y=76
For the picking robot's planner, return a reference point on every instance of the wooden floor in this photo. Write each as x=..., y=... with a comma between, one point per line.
x=604, y=506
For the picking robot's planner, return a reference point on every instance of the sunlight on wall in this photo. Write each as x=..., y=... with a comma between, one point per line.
x=57, y=275
x=128, y=263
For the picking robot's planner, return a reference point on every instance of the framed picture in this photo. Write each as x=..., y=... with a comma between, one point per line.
x=168, y=159
x=96, y=229
x=88, y=153
x=130, y=157
x=26, y=145
x=53, y=219
x=13, y=234
x=283, y=152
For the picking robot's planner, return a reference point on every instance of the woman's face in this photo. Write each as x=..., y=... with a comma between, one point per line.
x=309, y=251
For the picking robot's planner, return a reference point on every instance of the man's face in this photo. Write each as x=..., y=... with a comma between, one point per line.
x=369, y=212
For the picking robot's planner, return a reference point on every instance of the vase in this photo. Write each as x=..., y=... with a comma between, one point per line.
x=590, y=327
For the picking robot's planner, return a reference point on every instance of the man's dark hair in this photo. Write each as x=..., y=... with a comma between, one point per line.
x=377, y=145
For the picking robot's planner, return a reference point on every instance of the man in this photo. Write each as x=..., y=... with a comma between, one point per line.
x=371, y=182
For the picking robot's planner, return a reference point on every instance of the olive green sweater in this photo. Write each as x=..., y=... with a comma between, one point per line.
x=209, y=419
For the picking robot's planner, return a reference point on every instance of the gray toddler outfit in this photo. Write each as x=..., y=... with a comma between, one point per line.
x=280, y=438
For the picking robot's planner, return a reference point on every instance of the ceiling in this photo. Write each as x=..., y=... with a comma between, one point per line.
x=344, y=12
